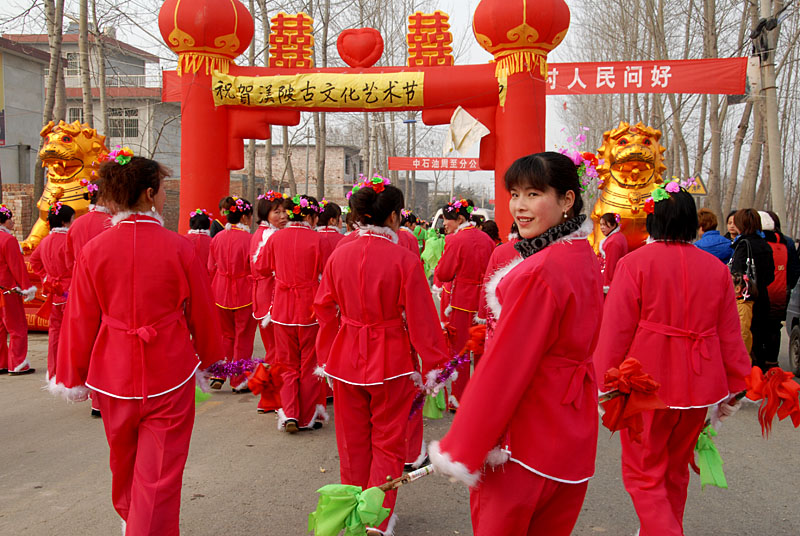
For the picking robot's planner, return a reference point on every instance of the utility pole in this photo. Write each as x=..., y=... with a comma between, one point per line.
x=767, y=39
x=414, y=172
x=308, y=152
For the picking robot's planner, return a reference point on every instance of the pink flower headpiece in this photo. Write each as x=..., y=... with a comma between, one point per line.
x=91, y=187
x=663, y=191
x=120, y=155
x=377, y=183
x=586, y=162
x=6, y=211
x=199, y=212
x=458, y=204
x=239, y=205
x=271, y=196
x=55, y=208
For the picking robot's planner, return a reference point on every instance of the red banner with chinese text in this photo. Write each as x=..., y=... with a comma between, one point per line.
x=398, y=163
x=725, y=76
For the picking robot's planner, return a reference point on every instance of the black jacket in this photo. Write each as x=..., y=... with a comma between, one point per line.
x=765, y=268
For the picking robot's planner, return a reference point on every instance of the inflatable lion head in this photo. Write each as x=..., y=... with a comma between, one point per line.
x=71, y=151
x=633, y=156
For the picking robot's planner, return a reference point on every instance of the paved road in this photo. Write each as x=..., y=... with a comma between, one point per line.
x=243, y=477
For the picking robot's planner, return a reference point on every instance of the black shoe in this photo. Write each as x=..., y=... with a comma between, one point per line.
x=3, y=371
x=96, y=413
x=407, y=468
x=29, y=370
x=216, y=383
x=240, y=391
x=291, y=426
x=261, y=411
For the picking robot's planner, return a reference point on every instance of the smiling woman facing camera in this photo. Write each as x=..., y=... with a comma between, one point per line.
x=532, y=404
x=139, y=314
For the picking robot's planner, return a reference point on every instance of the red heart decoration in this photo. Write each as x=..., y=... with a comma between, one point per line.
x=360, y=47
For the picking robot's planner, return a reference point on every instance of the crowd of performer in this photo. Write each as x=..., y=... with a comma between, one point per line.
x=345, y=304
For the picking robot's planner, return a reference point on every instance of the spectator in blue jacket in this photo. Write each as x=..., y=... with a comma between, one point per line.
x=710, y=240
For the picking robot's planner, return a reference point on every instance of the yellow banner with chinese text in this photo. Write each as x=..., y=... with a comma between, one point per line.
x=321, y=90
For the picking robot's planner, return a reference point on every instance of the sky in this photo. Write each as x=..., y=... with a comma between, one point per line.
x=460, y=12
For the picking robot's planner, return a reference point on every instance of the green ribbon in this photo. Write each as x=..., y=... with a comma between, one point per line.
x=347, y=508
x=434, y=406
x=434, y=247
x=200, y=396
x=709, y=461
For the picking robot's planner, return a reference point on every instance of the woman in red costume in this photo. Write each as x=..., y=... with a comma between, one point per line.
x=613, y=247
x=49, y=262
x=532, y=404
x=229, y=266
x=328, y=225
x=139, y=314
x=16, y=288
x=199, y=234
x=682, y=324
x=462, y=266
x=271, y=217
x=369, y=318
x=294, y=254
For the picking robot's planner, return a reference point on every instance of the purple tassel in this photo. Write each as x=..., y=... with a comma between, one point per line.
x=226, y=369
x=443, y=376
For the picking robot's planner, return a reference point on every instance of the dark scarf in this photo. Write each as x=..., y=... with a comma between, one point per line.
x=529, y=246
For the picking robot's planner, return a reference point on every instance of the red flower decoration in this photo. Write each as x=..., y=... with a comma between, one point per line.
x=378, y=187
x=649, y=205
x=296, y=209
x=591, y=158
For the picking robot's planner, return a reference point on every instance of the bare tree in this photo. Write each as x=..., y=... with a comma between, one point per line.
x=83, y=57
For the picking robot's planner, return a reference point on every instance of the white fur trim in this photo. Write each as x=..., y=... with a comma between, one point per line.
x=464, y=226
x=267, y=319
x=416, y=377
x=381, y=232
x=6, y=230
x=513, y=236
x=241, y=386
x=124, y=526
x=27, y=295
x=125, y=214
x=491, y=286
x=99, y=208
x=300, y=224
x=281, y=420
x=479, y=320
x=456, y=471
x=452, y=400
x=22, y=365
x=320, y=414
x=430, y=377
x=59, y=230
x=199, y=232
x=497, y=457
x=320, y=372
x=601, y=247
x=268, y=232
x=240, y=226
x=71, y=394
x=423, y=455
x=389, y=528
x=448, y=310
x=201, y=380
x=583, y=233
x=453, y=377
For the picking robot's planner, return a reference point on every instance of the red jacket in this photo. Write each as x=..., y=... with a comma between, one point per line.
x=263, y=282
x=408, y=240
x=463, y=263
x=202, y=244
x=329, y=239
x=84, y=229
x=613, y=248
x=672, y=307
x=294, y=254
x=49, y=262
x=229, y=266
x=534, y=390
x=139, y=314
x=13, y=272
x=374, y=302
x=501, y=257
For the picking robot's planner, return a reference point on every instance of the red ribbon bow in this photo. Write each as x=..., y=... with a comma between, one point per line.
x=778, y=393
x=637, y=393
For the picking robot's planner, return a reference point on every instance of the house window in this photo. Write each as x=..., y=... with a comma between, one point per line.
x=123, y=122
x=75, y=114
x=72, y=68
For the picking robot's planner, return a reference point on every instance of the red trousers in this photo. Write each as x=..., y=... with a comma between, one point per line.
x=512, y=501
x=295, y=347
x=238, y=336
x=414, y=441
x=268, y=338
x=371, y=424
x=656, y=472
x=53, y=332
x=14, y=326
x=149, y=443
x=462, y=321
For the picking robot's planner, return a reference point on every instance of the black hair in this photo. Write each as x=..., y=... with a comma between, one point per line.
x=776, y=220
x=264, y=207
x=490, y=228
x=331, y=212
x=451, y=213
x=295, y=209
x=6, y=214
x=123, y=184
x=674, y=219
x=65, y=213
x=546, y=170
x=350, y=220
x=235, y=211
x=611, y=219
x=199, y=222
x=372, y=208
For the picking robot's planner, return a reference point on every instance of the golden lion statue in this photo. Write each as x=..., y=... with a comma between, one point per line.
x=71, y=152
x=632, y=167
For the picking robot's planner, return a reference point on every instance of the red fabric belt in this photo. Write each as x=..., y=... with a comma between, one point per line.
x=364, y=330
x=699, y=346
x=146, y=333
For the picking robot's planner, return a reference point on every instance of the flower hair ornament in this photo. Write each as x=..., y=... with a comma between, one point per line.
x=91, y=187
x=6, y=211
x=617, y=218
x=663, y=191
x=55, y=208
x=377, y=183
x=405, y=212
x=238, y=205
x=120, y=155
x=302, y=203
x=586, y=162
x=458, y=204
x=199, y=212
x=271, y=196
